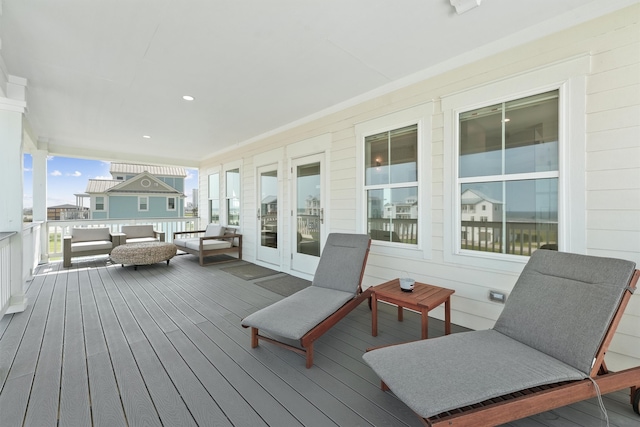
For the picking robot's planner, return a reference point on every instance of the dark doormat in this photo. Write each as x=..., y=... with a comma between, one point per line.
x=249, y=271
x=285, y=285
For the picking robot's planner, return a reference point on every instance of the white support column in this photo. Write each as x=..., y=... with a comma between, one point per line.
x=12, y=111
x=11, y=208
x=39, y=158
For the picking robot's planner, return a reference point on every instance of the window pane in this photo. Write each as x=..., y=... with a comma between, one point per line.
x=404, y=154
x=269, y=208
x=531, y=134
x=233, y=183
x=393, y=214
x=512, y=217
x=481, y=142
x=532, y=215
x=233, y=196
x=214, y=186
x=308, y=215
x=391, y=157
x=214, y=209
x=377, y=159
x=233, y=209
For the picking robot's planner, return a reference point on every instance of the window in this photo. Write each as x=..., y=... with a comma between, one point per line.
x=100, y=203
x=391, y=185
x=541, y=182
x=508, y=160
x=214, y=198
x=171, y=203
x=143, y=203
x=232, y=196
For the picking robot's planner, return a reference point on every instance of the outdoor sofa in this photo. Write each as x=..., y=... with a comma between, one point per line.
x=86, y=241
x=141, y=234
x=214, y=240
x=545, y=351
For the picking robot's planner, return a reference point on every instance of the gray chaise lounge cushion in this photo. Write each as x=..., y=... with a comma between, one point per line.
x=294, y=316
x=436, y=375
x=550, y=330
x=335, y=283
x=562, y=304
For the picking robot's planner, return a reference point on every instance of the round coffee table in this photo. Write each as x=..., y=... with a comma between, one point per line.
x=143, y=253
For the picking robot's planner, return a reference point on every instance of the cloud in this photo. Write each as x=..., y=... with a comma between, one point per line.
x=27, y=169
x=103, y=177
x=76, y=173
x=56, y=173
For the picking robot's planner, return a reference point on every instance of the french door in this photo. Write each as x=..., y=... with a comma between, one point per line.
x=308, y=200
x=268, y=215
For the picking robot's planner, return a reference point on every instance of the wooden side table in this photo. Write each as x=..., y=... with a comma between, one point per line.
x=423, y=299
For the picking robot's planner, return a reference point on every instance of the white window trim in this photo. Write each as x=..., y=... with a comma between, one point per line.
x=104, y=204
x=569, y=77
x=143, y=210
x=224, y=215
x=422, y=115
x=175, y=203
x=211, y=171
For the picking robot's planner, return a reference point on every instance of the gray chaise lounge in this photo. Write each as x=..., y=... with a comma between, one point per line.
x=555, y=327
x=308, y=314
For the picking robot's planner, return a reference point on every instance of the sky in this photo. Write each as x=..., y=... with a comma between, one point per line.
x=68, y=176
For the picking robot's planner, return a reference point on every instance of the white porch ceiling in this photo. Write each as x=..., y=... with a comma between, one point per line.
x=101, y=74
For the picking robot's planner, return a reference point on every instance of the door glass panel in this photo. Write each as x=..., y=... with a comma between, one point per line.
x=309, y=210
x=269, y=209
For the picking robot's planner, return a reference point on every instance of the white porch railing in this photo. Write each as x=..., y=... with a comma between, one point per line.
x=5, y=269
x=56, y=230
x=17, y=249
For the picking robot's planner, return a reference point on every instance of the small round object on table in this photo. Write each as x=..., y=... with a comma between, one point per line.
x=144, y=253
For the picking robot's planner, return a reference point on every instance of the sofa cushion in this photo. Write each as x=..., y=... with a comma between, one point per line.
x=141, y=239
x=90, y=234
x=194, y=243
x=93, y=245
x=214, y=230
x=208, y=245
x=562, y=304
x=138, y=231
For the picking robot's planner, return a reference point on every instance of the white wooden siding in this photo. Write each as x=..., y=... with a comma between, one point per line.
x=612, y=164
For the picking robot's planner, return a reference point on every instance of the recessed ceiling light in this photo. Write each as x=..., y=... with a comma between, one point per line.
x=146, y=136
x=188, y=98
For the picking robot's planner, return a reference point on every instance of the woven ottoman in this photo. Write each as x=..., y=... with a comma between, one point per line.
x=144, y=253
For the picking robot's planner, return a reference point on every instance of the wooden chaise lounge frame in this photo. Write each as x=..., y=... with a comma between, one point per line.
x=308, y=339
x=531, y=401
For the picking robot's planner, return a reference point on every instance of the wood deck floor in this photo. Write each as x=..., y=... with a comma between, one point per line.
x=102, y=345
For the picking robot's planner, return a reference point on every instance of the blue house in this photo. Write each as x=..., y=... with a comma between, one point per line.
x=138, y=191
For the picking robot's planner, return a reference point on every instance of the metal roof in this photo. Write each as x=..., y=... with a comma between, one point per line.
x=100, y=185
x=135, y=169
